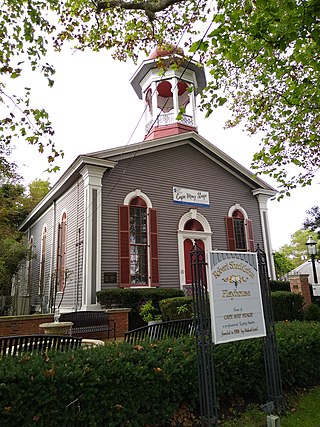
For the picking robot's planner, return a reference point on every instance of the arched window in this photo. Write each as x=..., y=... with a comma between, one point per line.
x=61, y=252
x=43, y=259
x=138, y=242
x=239, y=230
x=29, y=266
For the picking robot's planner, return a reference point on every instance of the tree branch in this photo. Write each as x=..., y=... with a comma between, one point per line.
x=150, y=7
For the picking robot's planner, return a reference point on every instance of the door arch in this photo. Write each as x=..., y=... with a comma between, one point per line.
x=192, y=226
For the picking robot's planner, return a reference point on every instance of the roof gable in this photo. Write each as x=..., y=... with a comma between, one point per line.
x=196, y=141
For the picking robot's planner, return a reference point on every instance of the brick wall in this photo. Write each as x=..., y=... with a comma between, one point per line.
x=299, y=284
x=23, y=325
x=29, y=324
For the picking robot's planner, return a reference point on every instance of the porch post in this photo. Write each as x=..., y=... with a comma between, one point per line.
x=262, y=197
x=91, y=280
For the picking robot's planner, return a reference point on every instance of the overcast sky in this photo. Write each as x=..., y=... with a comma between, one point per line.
x=93, y=107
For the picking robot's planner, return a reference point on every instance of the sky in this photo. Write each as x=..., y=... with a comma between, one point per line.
x=93, y=107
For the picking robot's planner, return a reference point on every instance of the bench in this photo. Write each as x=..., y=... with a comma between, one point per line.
x=14, y=345
x=170, y=329
x=89, y=321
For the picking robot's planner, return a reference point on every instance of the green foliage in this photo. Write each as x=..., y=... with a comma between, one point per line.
x=134, y=298
x=312, y=222
x=296, y=250
x=113, y=385
x=312, y=312
x=299, y=353
x=149, y=313
x=176, y=308
x=279, y=285
x=283, y=264
x=287, y=306
x=263, y=58
x=15, y=204
x=118, y=384
x=25, y=34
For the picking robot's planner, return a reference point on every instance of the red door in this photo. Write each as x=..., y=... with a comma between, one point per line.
x=188, y=246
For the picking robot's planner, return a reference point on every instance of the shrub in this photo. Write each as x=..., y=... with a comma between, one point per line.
x=279, y=285
x=312, y=312
x=134, y=299
x=122, y=385
x=176, y=308
x=287, y=306
x=149, y=313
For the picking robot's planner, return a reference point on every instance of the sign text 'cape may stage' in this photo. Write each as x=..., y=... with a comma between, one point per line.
x=235, y=297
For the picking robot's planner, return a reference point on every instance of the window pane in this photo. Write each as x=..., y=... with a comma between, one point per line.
x=138, y=245
x=239, y=232
x=138, y=264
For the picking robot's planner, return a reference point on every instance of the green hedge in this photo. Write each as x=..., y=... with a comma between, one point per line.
x=121, y=385
x=279, y=285
x=287, y=306
x=176, y=308
x=134, y=298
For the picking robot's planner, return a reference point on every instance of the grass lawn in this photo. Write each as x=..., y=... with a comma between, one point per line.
x=302, y=411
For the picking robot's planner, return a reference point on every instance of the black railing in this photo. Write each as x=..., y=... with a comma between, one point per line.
x=160, y=330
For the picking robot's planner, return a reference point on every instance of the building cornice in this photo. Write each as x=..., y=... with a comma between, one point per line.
x=70, y=176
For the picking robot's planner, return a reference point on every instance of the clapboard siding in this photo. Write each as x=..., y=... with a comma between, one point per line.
x=36, y=232
x=72, y=203
x=155, y=174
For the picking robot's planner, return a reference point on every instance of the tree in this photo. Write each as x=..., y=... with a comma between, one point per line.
x=283, y=264
x=312, y=221
x=16, y=202
x=296, y=250
x=263, y=57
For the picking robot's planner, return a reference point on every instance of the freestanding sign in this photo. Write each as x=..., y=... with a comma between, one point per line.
x=235, y=297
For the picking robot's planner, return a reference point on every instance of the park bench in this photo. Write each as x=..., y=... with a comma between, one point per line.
x=89, y=321
x=157, y=331
x=14, y=345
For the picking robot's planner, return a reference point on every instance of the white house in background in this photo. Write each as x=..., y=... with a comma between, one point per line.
x=306, y=268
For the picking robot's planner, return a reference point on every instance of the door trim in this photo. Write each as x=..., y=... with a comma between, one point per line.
x=205, y=236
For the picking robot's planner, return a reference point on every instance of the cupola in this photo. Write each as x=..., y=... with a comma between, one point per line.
x=169, y=97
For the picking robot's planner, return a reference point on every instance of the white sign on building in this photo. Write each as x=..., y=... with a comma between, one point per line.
x=235, y=297
x=187, y=196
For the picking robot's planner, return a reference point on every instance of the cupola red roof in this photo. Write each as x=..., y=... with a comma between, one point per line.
x=165, y=50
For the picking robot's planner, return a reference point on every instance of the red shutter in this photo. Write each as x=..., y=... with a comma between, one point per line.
x=250, y=236
x=230, y=234
x=124, y=246
x=154, y=256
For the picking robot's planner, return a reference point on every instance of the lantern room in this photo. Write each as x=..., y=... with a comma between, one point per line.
x=169, y=97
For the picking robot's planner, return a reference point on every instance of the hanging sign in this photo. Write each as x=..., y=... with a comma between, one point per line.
x=235, y=297
x=190, y=197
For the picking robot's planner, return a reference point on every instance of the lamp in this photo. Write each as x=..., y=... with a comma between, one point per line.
x=312, y=250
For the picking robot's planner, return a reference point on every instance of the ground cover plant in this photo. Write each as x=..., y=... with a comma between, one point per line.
x=302, y=409
x=145, y=385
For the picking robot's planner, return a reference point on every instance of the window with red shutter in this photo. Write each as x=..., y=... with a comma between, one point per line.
x=124, y=248
x=138, y=244
x=239, y=232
